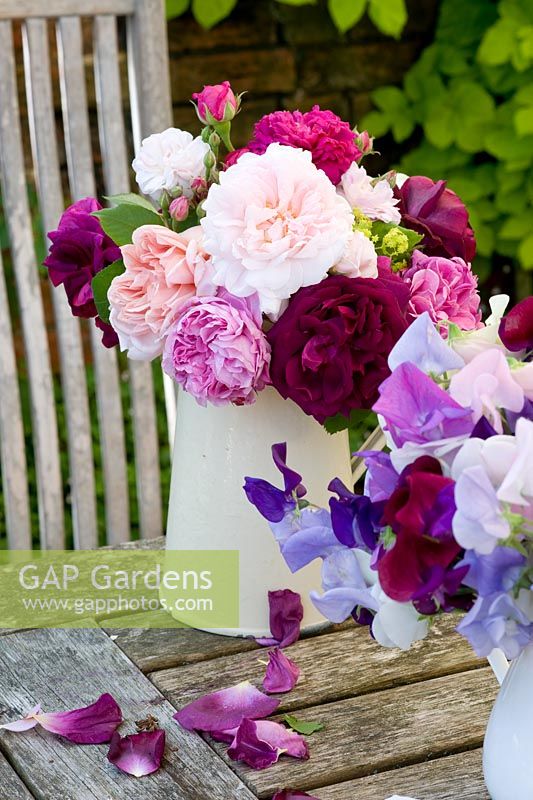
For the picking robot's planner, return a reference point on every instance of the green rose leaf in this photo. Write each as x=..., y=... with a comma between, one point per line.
x=346, y=13
x=389, y=16
x=209, y=12
x=121, y=221
x=100, y=285
x=306, y=728
x=131, y=200
x=358, y=417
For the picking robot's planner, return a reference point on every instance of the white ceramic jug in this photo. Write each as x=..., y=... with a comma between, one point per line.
x=214, y=449
x=508, y=749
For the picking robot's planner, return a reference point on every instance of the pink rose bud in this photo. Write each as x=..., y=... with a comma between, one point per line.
x=216, y=103
x=179, y=209
x=364, y=142
x=200, y=188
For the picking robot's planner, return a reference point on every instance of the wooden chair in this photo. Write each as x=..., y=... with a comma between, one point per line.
x=149, y=95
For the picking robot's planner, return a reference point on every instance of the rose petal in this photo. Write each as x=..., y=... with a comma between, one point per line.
x=286, y=614
x=226, y=709
x=91, y=724
x=281, y=674
x=259, y=743
x=25, y=724
x=139, y=754
x=292, y=794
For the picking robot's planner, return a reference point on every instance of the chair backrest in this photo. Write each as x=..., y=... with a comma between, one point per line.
x=150, y=104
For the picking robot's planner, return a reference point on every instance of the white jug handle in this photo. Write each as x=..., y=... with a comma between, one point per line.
x=499, y=664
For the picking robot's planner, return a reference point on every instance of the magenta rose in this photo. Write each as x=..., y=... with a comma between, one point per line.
x=330, y=140
x=444, y=287
x=217, y=351
x=330, y=347
x=216, y=103
x=433, y=210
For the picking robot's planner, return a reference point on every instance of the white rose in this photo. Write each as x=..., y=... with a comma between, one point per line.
x=169, y=159
x=373, y=199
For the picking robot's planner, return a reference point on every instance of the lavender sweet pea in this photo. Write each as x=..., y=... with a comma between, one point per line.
x=497, y=621
x=271, y=502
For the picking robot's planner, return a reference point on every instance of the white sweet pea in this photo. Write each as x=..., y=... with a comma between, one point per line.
x=396, y=624
x=469, y=344
x=167, y=160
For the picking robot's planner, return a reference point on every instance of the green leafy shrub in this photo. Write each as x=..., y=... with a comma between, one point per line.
x=468, y=105
x=389, y=16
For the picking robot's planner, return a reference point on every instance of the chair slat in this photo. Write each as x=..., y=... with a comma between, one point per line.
x=82, y=182
x=12, y=452
x=47, y=170
x=116, y=174
x=20, y=9
x=16, y=209
x=151, y=109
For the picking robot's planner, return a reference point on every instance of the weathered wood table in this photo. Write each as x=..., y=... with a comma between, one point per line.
x=406, y=723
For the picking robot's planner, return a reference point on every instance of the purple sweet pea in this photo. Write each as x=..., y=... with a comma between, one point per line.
x=513, y=416
x=344, y=586
x=497, y=622
x=422, y=344
x=483, y=429
x=286, y=614
x=271, y=502
x=416, y=410
x=355, y=518
x=381, y=478
x=306, y=536
x=478, y=523
x=497, y=572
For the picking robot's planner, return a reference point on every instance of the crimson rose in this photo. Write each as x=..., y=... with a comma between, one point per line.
x=330, y=347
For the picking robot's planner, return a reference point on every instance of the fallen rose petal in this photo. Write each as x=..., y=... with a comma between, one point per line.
x=281, y=673
x=139, y=754
x=92, y=724
x=25, y=724
x=259, y=743
x=286, y=614
x=226, y=709
x=292, y=794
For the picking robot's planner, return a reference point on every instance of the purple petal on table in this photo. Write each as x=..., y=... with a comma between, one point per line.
x=259, y=743
x=27, y=723
x=286, y=614
x=281, y=673
x=139, y=754
x=226, y=709
x=92, y=724
x=292, y=794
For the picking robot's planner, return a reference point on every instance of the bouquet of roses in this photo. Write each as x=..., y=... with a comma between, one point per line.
x=282, y=263
x=445, y=522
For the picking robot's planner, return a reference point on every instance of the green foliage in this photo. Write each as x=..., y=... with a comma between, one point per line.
x=389, y=16
x=359, y=418
x=470, y=96
x=100, y=285
x=120, y=221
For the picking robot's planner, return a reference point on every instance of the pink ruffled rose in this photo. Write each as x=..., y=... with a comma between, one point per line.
x=217, y=351
x=216, y=103
x=444, y=287
x=164, y=269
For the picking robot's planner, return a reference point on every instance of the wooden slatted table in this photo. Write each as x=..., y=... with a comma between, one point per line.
x=395, y=723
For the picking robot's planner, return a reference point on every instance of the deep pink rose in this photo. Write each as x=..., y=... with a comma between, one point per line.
x=330, y=140
x=516, y=328
x=216, y=103
x=439, y=214
x=330, y=347
x=217, y=351
x=444, y=287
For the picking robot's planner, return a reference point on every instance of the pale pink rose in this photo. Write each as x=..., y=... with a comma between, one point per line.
x=217, y=351
x=486, y=385
x=359, y=259
x=444, y=287
x=163, y=270
x=274, y=224
x=374, y=199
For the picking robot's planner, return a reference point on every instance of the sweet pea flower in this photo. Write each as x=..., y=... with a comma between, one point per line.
x=396, y=624
x=497, y=621
x=517, y=485
x=216, y=103
x=478, y=523
x=498, y=571
x=168, y=160
x=345, y=587
x=485, y=384
x=444, y=287
x=273, y=225
x=422, y=345
x=373, y=198
x=469, y=344
x=273, y=503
